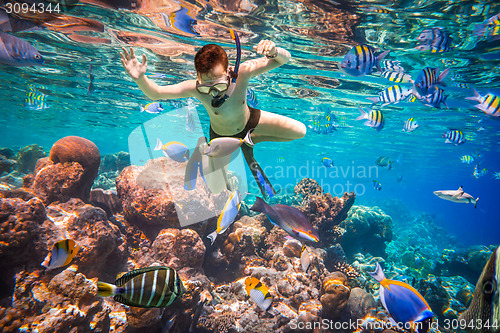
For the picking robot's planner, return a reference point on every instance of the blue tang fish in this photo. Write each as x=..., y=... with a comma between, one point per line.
x=288, y=218
x=174, y=150
x=361, y=59
x=154, y=108
x=229, y=212
x=181, y=20
x=251, y=98
x=194, y=164
x=327, y=162
x=403, y=302
x=17, y=52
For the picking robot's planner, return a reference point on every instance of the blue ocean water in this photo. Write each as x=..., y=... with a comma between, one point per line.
x=318, y=34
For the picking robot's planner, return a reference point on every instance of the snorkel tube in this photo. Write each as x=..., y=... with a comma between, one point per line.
x=218, y=101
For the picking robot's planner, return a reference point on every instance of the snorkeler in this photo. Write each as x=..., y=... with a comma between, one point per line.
x=223, y=90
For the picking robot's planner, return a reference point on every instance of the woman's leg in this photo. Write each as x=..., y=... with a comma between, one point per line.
x=274, y=127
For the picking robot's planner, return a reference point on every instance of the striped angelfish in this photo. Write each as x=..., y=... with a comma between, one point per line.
x=489, y=103
x=427, y=80
x=436, y=98
x=410, y=125
x=149, y=287
x=390, y=95
x=360, y=60
x=398, y=77
x=454, y=136
x=375, y=118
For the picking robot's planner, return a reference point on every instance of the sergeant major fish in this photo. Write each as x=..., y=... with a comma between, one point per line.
x=390, y=95
x=375, y=118
x=410, y=125
x=454, y=136
x=361, y=59
x=489, y=103
x=427, y=80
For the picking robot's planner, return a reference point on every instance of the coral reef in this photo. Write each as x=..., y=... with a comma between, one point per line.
x=27, y=158
x=151, y=197
x=68, y=172
x=147, y=231
x=368, y=230
x=114, y=162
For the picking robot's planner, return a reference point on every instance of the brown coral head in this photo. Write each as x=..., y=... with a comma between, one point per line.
x=348, y=270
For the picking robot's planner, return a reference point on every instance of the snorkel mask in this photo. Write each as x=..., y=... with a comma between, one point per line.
x=218, y=101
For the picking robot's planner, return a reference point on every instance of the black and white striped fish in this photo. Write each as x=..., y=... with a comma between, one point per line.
x=410, y=125
x=454, y=136
x=393, y=94
x=435, y=99
x=398, y=77
x=489, y=103
x=375, y=118
x=148, y=287
x=360, y=60
x=427, y=80
x=393, y=65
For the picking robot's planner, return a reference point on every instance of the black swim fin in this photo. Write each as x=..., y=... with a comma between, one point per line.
x=265, y=186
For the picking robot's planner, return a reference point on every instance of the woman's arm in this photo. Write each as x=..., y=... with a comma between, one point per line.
x=274, y=57
x=137, y=71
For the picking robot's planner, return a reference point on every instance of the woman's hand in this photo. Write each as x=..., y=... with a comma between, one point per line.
x=265, y=47
x=134, y=68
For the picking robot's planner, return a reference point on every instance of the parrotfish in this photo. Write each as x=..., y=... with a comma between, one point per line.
x=61, y=255
x=17, y=52
x=223, y=146
x=489, y=103
x=485, y=305
x=174, y=150
x=410, y=125
x=229, y=212
x=258, y=292
x=149, y=287
x=403, y=302
x=458, y=196
x=361, y=59
x=384, y=161
x=154, y=108
x=288, y=218
x=375, y=118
